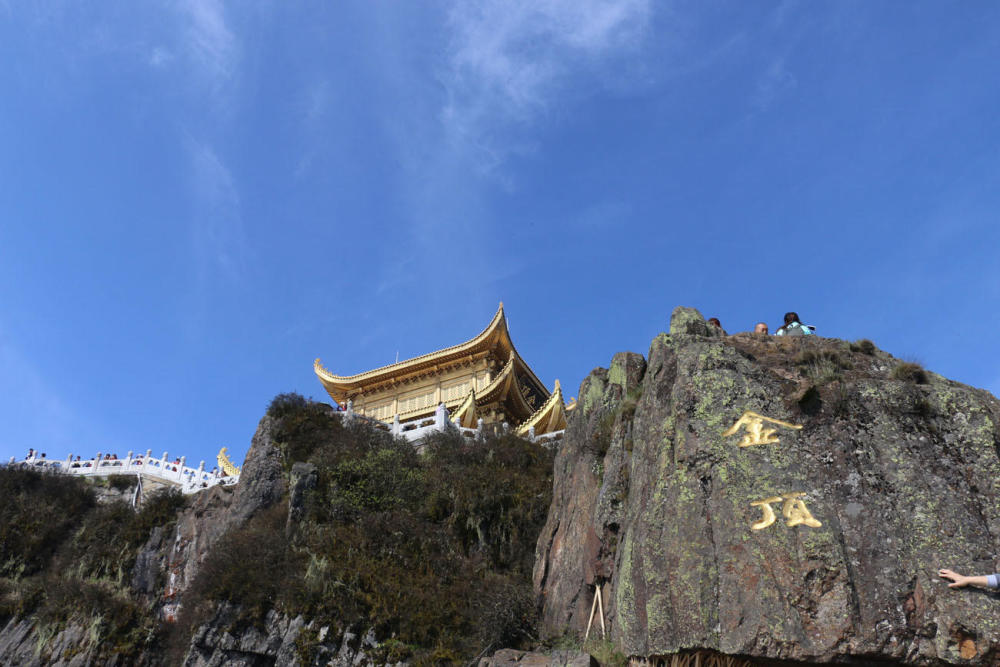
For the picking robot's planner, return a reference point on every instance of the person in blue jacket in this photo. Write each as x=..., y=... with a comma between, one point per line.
x=793, y=327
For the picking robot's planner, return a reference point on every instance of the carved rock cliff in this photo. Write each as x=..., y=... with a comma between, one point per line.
x=653, y=502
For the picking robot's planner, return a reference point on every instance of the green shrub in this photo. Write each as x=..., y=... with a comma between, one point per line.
x=390, y=652
x=121, y=482
x=822, y=366
x=840, y=404
x=864, y=346
x=630, y=402
x=116, y=624
x=304, y=427
x=110, y=536
x=69, y=559
x=160, y=508
x=433, y=550
x=40, y=512
x=909, y=371
x=605, y=652
x=380, y=480
x=283, y=405
x=247, y=566
x=508, y=616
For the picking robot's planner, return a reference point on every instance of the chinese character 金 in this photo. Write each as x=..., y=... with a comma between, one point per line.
x=756, y=434
x=793, y=508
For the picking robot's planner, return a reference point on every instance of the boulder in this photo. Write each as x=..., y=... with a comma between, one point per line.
x=776, y=499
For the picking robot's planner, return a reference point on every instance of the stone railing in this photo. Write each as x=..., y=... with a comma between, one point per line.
x=174, y=473
x=417, y=429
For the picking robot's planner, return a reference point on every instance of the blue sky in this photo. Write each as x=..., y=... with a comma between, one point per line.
x=197, y=198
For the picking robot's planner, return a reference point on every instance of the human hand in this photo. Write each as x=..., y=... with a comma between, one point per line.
x=958, y=580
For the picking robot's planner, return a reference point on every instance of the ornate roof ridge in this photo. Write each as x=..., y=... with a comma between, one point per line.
x=500, y=378
x=223, y=459
x=498, y=320
x=536, y=416
x=467, y=406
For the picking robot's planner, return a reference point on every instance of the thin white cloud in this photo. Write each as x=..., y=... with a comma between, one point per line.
x=220, y=241
x=508, y=60
x=209, y=40
x=775, y=81
x=313, y=108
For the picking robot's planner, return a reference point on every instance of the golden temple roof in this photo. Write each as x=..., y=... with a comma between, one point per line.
x=513, y=389
x=494, y=336
x=495, y=333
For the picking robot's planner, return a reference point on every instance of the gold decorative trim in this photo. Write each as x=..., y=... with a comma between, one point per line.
x=465, y=415
x=344, y=382
x=552, y=413
x=480, y=352
x=227, y=465
x=500, y=384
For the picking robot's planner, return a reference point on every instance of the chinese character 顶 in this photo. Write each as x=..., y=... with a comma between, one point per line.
x=793, y=508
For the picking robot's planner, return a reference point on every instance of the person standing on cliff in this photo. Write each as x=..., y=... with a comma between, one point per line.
x=960, y=581
x=714, y=321
x=793, y=326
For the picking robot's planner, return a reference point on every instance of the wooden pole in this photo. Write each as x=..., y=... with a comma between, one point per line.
x=600, y=607
x=593, y=606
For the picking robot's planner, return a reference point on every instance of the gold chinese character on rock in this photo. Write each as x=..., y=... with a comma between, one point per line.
x=768, y=518
x=756, y=433
x=793, y=508
x=795, y=511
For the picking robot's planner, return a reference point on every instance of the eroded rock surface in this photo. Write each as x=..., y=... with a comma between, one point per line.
x=654, y=503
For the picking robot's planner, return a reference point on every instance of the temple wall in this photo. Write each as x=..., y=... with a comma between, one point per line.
x=414, y=398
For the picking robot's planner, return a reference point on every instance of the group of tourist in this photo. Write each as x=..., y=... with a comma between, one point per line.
x=113, y=460
x=792, y=326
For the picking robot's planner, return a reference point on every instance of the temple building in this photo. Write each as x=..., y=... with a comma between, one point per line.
x=482, y=378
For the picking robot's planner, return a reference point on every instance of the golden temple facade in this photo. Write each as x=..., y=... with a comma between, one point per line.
x=482, y=378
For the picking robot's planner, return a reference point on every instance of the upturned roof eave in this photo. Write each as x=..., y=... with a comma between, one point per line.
x=494, y=335
x=553, y=404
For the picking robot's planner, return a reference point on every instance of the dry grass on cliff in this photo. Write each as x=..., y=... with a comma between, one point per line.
x=65, y=558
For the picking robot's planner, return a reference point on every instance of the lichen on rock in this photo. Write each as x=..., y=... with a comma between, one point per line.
x=899, y=472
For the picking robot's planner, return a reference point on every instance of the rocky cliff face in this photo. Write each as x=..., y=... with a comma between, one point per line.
x=766, y=498
x=164, y=568
x=169, y=561
x=776, y=498
x=339, y=546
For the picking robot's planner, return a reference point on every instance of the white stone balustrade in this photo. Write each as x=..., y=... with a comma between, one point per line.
x=175, y=473
x=416, y=430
